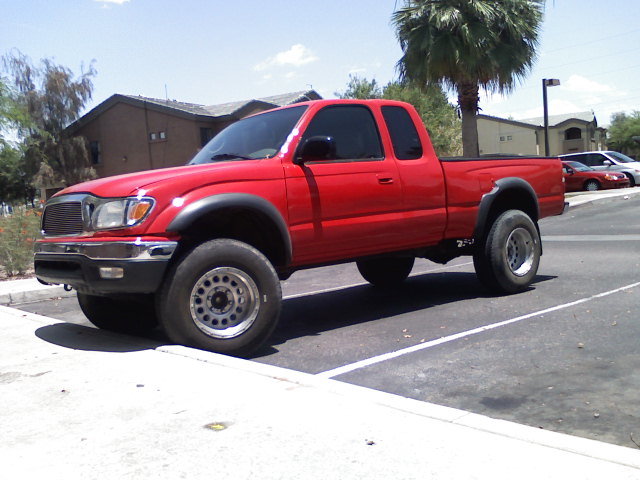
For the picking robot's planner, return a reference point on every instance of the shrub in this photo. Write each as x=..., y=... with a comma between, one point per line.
x=18, y=232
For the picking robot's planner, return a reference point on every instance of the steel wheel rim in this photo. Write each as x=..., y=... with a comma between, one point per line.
x=224, y=302
x=520, y=251
x=592, y=187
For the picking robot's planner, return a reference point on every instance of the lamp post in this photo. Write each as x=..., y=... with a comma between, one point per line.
x=547, y=82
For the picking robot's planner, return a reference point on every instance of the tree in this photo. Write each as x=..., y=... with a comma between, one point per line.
x=621, y=133
x=438, y=115
x=52, y=99
x=467, y=44
x=360, y=89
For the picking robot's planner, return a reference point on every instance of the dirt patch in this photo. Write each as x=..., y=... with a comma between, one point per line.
x=4, y=276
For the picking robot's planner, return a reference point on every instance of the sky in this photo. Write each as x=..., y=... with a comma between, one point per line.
x=217, y=51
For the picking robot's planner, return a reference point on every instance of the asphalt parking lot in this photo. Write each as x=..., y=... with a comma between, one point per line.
x=561, y=356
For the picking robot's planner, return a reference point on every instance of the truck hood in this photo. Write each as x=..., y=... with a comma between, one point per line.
x=133, y=183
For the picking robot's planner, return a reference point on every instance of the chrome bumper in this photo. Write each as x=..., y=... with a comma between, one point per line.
x=160, y=251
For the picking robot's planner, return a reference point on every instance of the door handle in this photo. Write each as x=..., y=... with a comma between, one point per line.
x=384, y=180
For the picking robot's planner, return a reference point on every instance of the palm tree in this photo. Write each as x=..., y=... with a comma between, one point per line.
x=467, y=44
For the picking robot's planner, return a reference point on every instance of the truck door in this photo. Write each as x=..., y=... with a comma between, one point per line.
x=421, y=175
x=346, y=206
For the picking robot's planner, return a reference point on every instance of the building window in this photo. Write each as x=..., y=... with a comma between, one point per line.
x=153, y=136
x=162, y=135
x=573, y=133
x=94, y=151
x=506, y=138
x=206, y=134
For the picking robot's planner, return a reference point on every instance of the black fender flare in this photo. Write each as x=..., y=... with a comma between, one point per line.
x=214, y=203
x=502, y=186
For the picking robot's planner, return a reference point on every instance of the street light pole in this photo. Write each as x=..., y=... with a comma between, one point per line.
x=547, y=82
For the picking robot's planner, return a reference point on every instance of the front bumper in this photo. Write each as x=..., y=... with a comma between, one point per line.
x=104, y=267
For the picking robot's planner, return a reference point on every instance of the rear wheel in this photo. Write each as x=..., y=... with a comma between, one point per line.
x=508, y=259
x=387, y=271
x=123, y=314
x=223, y=296
x=591, y=185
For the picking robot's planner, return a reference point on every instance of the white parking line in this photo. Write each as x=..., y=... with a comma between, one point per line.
x=591, y=238
x=344, y=287
x=423, y=346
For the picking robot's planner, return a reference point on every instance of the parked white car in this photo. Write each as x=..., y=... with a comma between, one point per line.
x=608, y=161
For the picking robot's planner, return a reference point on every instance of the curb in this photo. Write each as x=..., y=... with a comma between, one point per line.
x=18, y=293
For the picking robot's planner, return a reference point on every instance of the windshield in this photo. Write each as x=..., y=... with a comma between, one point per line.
x=621, y=157
x=580, y=167
x=260, y=136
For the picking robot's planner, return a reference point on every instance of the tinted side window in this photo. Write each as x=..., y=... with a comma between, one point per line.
x=352, y=127
x=404, y=136
x=594, y=160
x=577, y=158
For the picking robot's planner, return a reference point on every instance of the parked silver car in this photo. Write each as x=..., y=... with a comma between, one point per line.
x=608, y=161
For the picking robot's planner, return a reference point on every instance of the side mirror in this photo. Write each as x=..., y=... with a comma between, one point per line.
x=316, y=148
x=608, y=163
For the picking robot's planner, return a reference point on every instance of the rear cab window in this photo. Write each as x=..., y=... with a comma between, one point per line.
x=404, y=135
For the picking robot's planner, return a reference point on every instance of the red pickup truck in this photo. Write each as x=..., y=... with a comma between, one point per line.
x=201, y=249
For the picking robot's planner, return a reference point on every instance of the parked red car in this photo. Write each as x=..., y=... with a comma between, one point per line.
x=578, y=176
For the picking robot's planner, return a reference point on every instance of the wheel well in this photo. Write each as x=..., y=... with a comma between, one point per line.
x=513, y=200
x=237, y=223
x=509, y=199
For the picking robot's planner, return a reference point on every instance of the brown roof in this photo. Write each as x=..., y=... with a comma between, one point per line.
x=219, y=112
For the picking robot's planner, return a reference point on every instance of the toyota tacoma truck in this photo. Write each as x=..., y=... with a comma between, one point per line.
x=201, y=249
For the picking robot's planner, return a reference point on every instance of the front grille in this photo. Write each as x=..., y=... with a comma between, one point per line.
x=63, y=219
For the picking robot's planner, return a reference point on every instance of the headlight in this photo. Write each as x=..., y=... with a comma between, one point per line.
x=611, y=177
x=120, y=213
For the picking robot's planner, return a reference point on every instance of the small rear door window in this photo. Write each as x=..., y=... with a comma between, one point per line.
x=404, y=136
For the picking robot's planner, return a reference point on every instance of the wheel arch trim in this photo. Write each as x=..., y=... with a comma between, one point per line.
x=504, y=186
x=216, y=203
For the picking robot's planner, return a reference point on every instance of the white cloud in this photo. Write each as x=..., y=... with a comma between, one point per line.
x=577, y=83
x=117, y=2
x=297, y=56
x=357, y=71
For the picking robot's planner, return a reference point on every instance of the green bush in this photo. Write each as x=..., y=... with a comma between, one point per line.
x=18, y=232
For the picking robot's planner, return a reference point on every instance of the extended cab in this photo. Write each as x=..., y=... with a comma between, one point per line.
x=201, y=248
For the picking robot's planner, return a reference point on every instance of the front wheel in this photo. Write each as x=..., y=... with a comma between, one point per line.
x=131, y=314
x=508, y=259
x=632, y=181
x=223, y=296
x=592, y=186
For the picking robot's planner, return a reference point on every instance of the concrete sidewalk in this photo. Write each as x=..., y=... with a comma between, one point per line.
x=80, y=403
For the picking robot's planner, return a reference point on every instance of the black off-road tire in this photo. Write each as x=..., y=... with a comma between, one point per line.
x=223, y=296
x=129, y=314
x=508, y=259
x=385, y=271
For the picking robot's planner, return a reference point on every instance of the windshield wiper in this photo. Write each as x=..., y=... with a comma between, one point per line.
x=230, y=156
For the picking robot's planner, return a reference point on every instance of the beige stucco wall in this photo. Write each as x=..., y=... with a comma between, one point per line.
x=530, y=140
x=505, y=138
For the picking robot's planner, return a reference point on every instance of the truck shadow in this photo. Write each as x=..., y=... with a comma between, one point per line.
x=311, y=315
x=79, y=337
